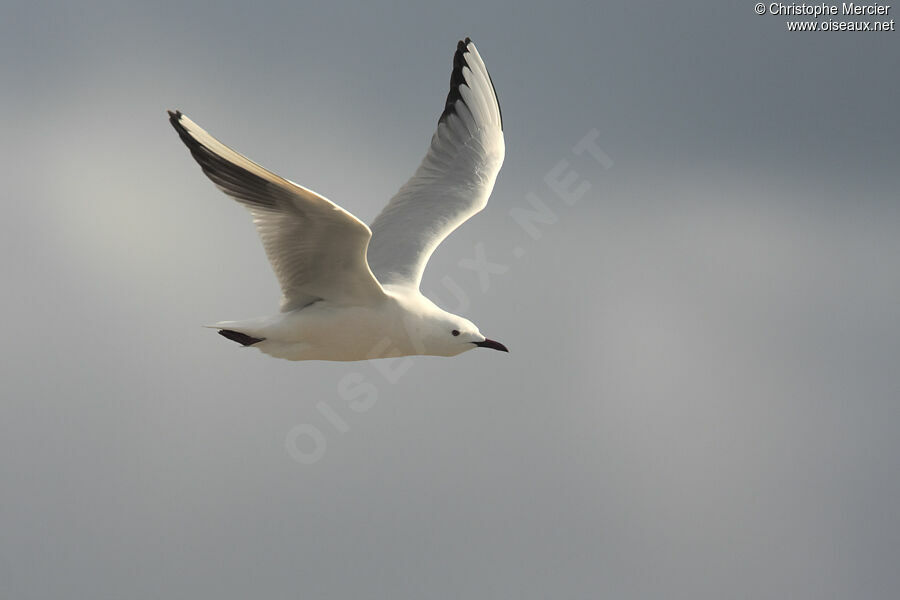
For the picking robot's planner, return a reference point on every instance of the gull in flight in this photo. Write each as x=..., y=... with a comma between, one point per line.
x=351, y=292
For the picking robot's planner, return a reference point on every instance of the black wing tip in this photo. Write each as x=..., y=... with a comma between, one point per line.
x=197, y=149
x=457, y=79
x=175, y=120
x=229, y=177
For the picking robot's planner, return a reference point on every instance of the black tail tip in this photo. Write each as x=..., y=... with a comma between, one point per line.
x=241, y=338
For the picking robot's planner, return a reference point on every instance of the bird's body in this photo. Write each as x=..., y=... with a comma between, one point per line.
x=400, y=324
x=345, y=298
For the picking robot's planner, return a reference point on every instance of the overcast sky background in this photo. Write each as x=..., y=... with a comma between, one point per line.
x=702, y=398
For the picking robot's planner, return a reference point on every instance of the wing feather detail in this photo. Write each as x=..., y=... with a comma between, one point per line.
x=454, y=180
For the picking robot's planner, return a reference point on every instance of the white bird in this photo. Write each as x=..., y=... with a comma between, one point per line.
x=336, y=304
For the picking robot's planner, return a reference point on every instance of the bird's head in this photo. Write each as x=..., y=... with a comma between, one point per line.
x=451, y=335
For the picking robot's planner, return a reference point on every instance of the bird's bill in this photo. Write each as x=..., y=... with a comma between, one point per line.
x=494, y=345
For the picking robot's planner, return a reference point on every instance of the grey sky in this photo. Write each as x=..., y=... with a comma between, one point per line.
x=702, y=397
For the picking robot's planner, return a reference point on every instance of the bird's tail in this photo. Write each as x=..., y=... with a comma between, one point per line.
x=241, y=338
x=245, y=333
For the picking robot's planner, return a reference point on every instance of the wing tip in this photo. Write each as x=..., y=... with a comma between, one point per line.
x=201, y=153
x=175, y=117
x=457, y=79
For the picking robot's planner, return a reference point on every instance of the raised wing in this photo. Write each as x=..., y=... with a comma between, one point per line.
x=453, y=182
x=317, y=249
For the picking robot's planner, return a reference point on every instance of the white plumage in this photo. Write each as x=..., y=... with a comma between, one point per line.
x=351, y=293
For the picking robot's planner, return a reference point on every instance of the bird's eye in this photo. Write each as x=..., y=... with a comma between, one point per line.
x=455, y=332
